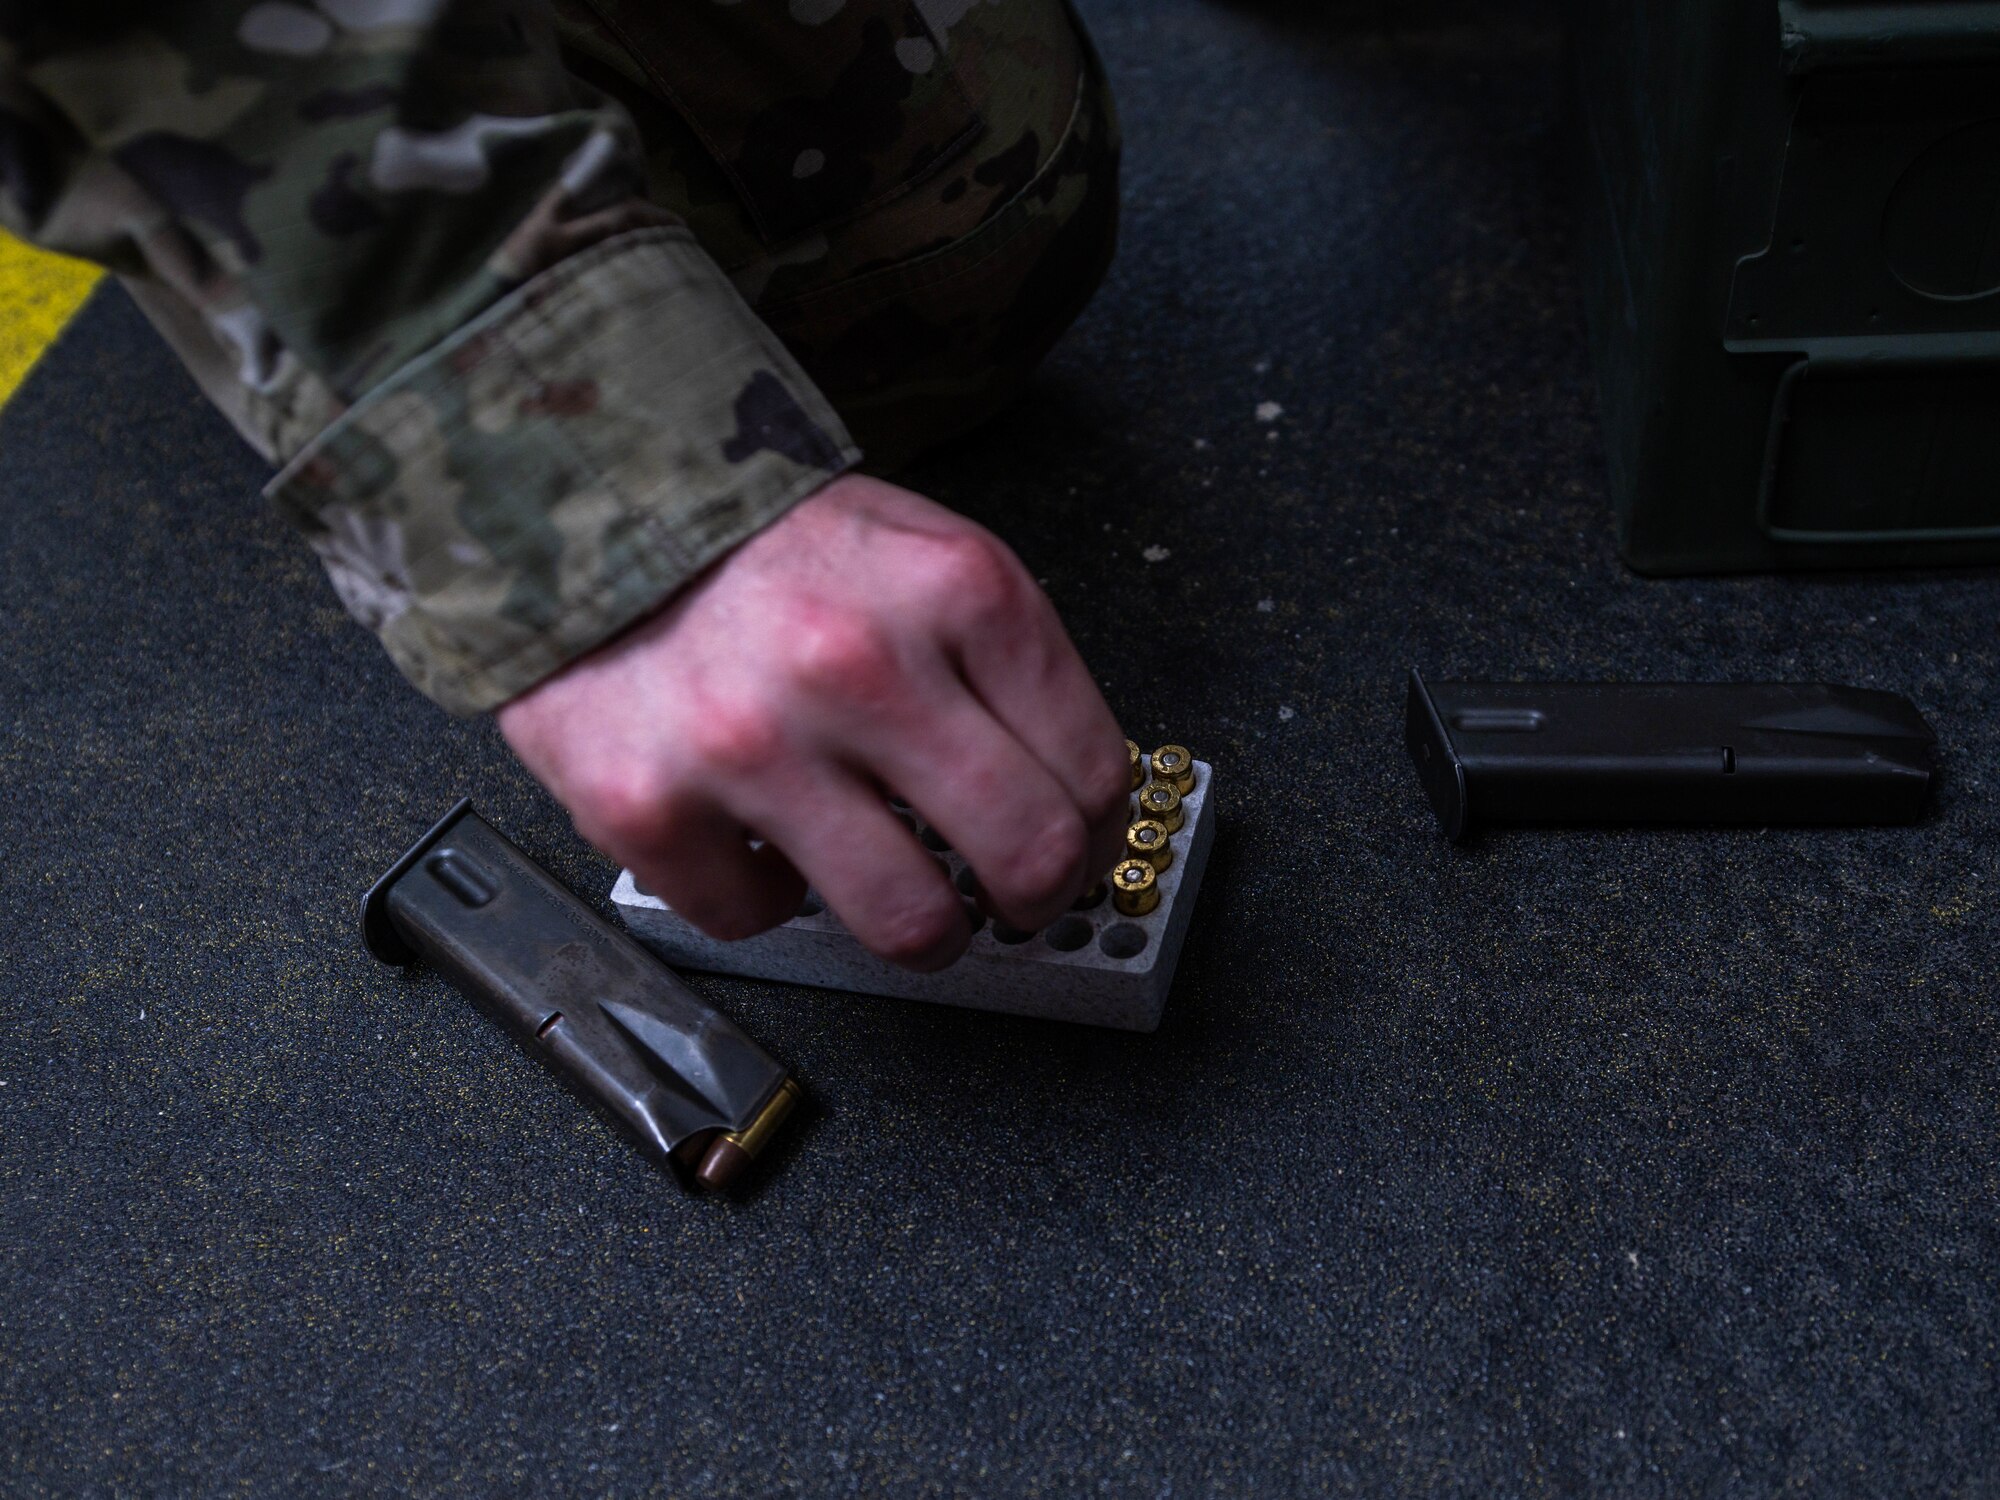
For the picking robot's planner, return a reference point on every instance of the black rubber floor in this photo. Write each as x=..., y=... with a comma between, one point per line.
x=1648, y=1164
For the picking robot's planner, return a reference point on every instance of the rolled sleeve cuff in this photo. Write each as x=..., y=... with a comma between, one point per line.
x=559, y=467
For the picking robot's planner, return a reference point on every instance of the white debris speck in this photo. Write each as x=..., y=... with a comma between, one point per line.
x=1265, y=606
x=1156, y=553
x=1262, y=367
x=1269, y=411
x=1201, y=445
x=1284, y=713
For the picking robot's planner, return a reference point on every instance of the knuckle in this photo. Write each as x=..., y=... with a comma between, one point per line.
x=977, y=574
x=737, y=737
x=845, y=655
x=620, y=807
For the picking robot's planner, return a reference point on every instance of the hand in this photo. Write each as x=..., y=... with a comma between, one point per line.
x=869, y=640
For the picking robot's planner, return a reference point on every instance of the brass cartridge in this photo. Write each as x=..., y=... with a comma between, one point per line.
x=1160, y=801
x=1135, y=889
x=1175, y=766
x=1149, y=840
x=735, y=1150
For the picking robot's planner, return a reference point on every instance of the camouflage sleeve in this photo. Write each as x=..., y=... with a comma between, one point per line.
x=515, y=405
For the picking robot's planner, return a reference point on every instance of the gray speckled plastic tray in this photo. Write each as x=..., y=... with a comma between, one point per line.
x=1094, y=967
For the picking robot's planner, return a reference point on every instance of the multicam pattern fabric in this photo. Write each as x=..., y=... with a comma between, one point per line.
x=543, y=305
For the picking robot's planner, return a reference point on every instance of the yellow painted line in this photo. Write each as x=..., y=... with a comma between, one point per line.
x=38, y=294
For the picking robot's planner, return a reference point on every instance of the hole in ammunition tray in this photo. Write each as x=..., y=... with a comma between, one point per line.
x=1126, y=940
x=1068, y=934
x=1002, y=933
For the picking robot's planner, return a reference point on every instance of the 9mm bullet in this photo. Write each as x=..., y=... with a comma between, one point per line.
x=1160, y=801
x=731, y=1154
x=1138, y=766
x=1135, y=888
x=1149, y=840
x=1175, y=766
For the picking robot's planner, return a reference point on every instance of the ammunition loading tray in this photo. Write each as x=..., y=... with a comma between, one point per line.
x=1095, y=965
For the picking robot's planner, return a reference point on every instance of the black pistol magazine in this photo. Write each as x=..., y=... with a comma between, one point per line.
x=1613, y=752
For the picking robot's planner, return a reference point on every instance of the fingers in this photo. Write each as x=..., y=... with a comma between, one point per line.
x=1000, y=808
x=1019, y=662
x=701, y=864
x=868, y=635
x=878, y=879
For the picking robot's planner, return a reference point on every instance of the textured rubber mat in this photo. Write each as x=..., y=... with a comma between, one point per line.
x=1635, y=1163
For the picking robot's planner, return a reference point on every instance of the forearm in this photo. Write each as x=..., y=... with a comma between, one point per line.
x=597, y=439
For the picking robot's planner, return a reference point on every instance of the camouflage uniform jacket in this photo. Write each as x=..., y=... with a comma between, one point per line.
x=418, y=251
